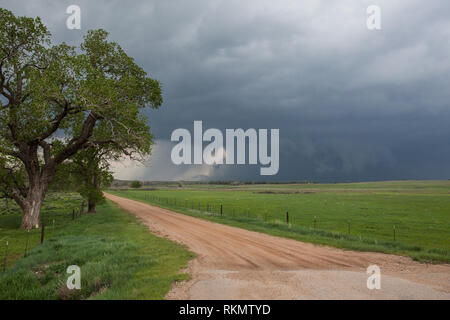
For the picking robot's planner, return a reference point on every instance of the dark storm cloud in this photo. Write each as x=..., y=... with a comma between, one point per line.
x=351, y=104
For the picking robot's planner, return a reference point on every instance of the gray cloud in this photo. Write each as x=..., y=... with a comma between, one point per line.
x=351, y=104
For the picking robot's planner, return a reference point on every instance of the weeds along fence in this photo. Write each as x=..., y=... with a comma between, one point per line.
x=20, y=245
x=283, y=220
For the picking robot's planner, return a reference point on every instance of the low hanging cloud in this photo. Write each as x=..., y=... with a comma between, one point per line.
x=159, y=167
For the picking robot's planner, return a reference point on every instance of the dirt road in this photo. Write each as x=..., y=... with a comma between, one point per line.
x=234, y=263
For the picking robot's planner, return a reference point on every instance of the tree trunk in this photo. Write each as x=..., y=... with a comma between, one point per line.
x=32, y=207
x=91, y=206
x=92, y=201
x=31, y=204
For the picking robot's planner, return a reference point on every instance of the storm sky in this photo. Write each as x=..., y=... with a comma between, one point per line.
x=351, y=103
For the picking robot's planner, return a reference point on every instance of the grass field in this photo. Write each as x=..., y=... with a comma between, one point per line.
x=57, y=213
x=357, y=216
x=119, y=258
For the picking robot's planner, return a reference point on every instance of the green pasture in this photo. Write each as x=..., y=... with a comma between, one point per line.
x=118, y=257
x=419, y=210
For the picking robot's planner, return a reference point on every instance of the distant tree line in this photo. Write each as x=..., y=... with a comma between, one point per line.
x=128, y=183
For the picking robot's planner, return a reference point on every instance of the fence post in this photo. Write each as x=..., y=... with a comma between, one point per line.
x=287, y=217
x=6, y=255
x=221, y=210
x=26, y=244
x=82, y=208
x=314, y=222
x=42, y=233
x=394, y=232
x=348, y=226
x=73, y=214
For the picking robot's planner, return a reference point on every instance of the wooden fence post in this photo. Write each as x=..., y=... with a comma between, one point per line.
x=6, y=255
x=82, y=208
x=42, y=233
x=221, y=210
x=26, y=244
x=287, y=217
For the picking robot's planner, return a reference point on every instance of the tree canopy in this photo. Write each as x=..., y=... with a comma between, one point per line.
x=57, y=99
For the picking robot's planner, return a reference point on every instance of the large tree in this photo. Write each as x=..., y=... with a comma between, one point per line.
x=56, y=100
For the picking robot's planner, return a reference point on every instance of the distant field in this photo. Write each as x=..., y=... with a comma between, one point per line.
x=442, y=186
x=419, y=210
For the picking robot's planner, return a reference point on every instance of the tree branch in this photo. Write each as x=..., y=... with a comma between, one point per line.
x=77, y=143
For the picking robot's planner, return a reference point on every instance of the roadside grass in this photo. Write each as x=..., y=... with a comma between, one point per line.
x=119, y=259
x=56, y=214
x=421, y=218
